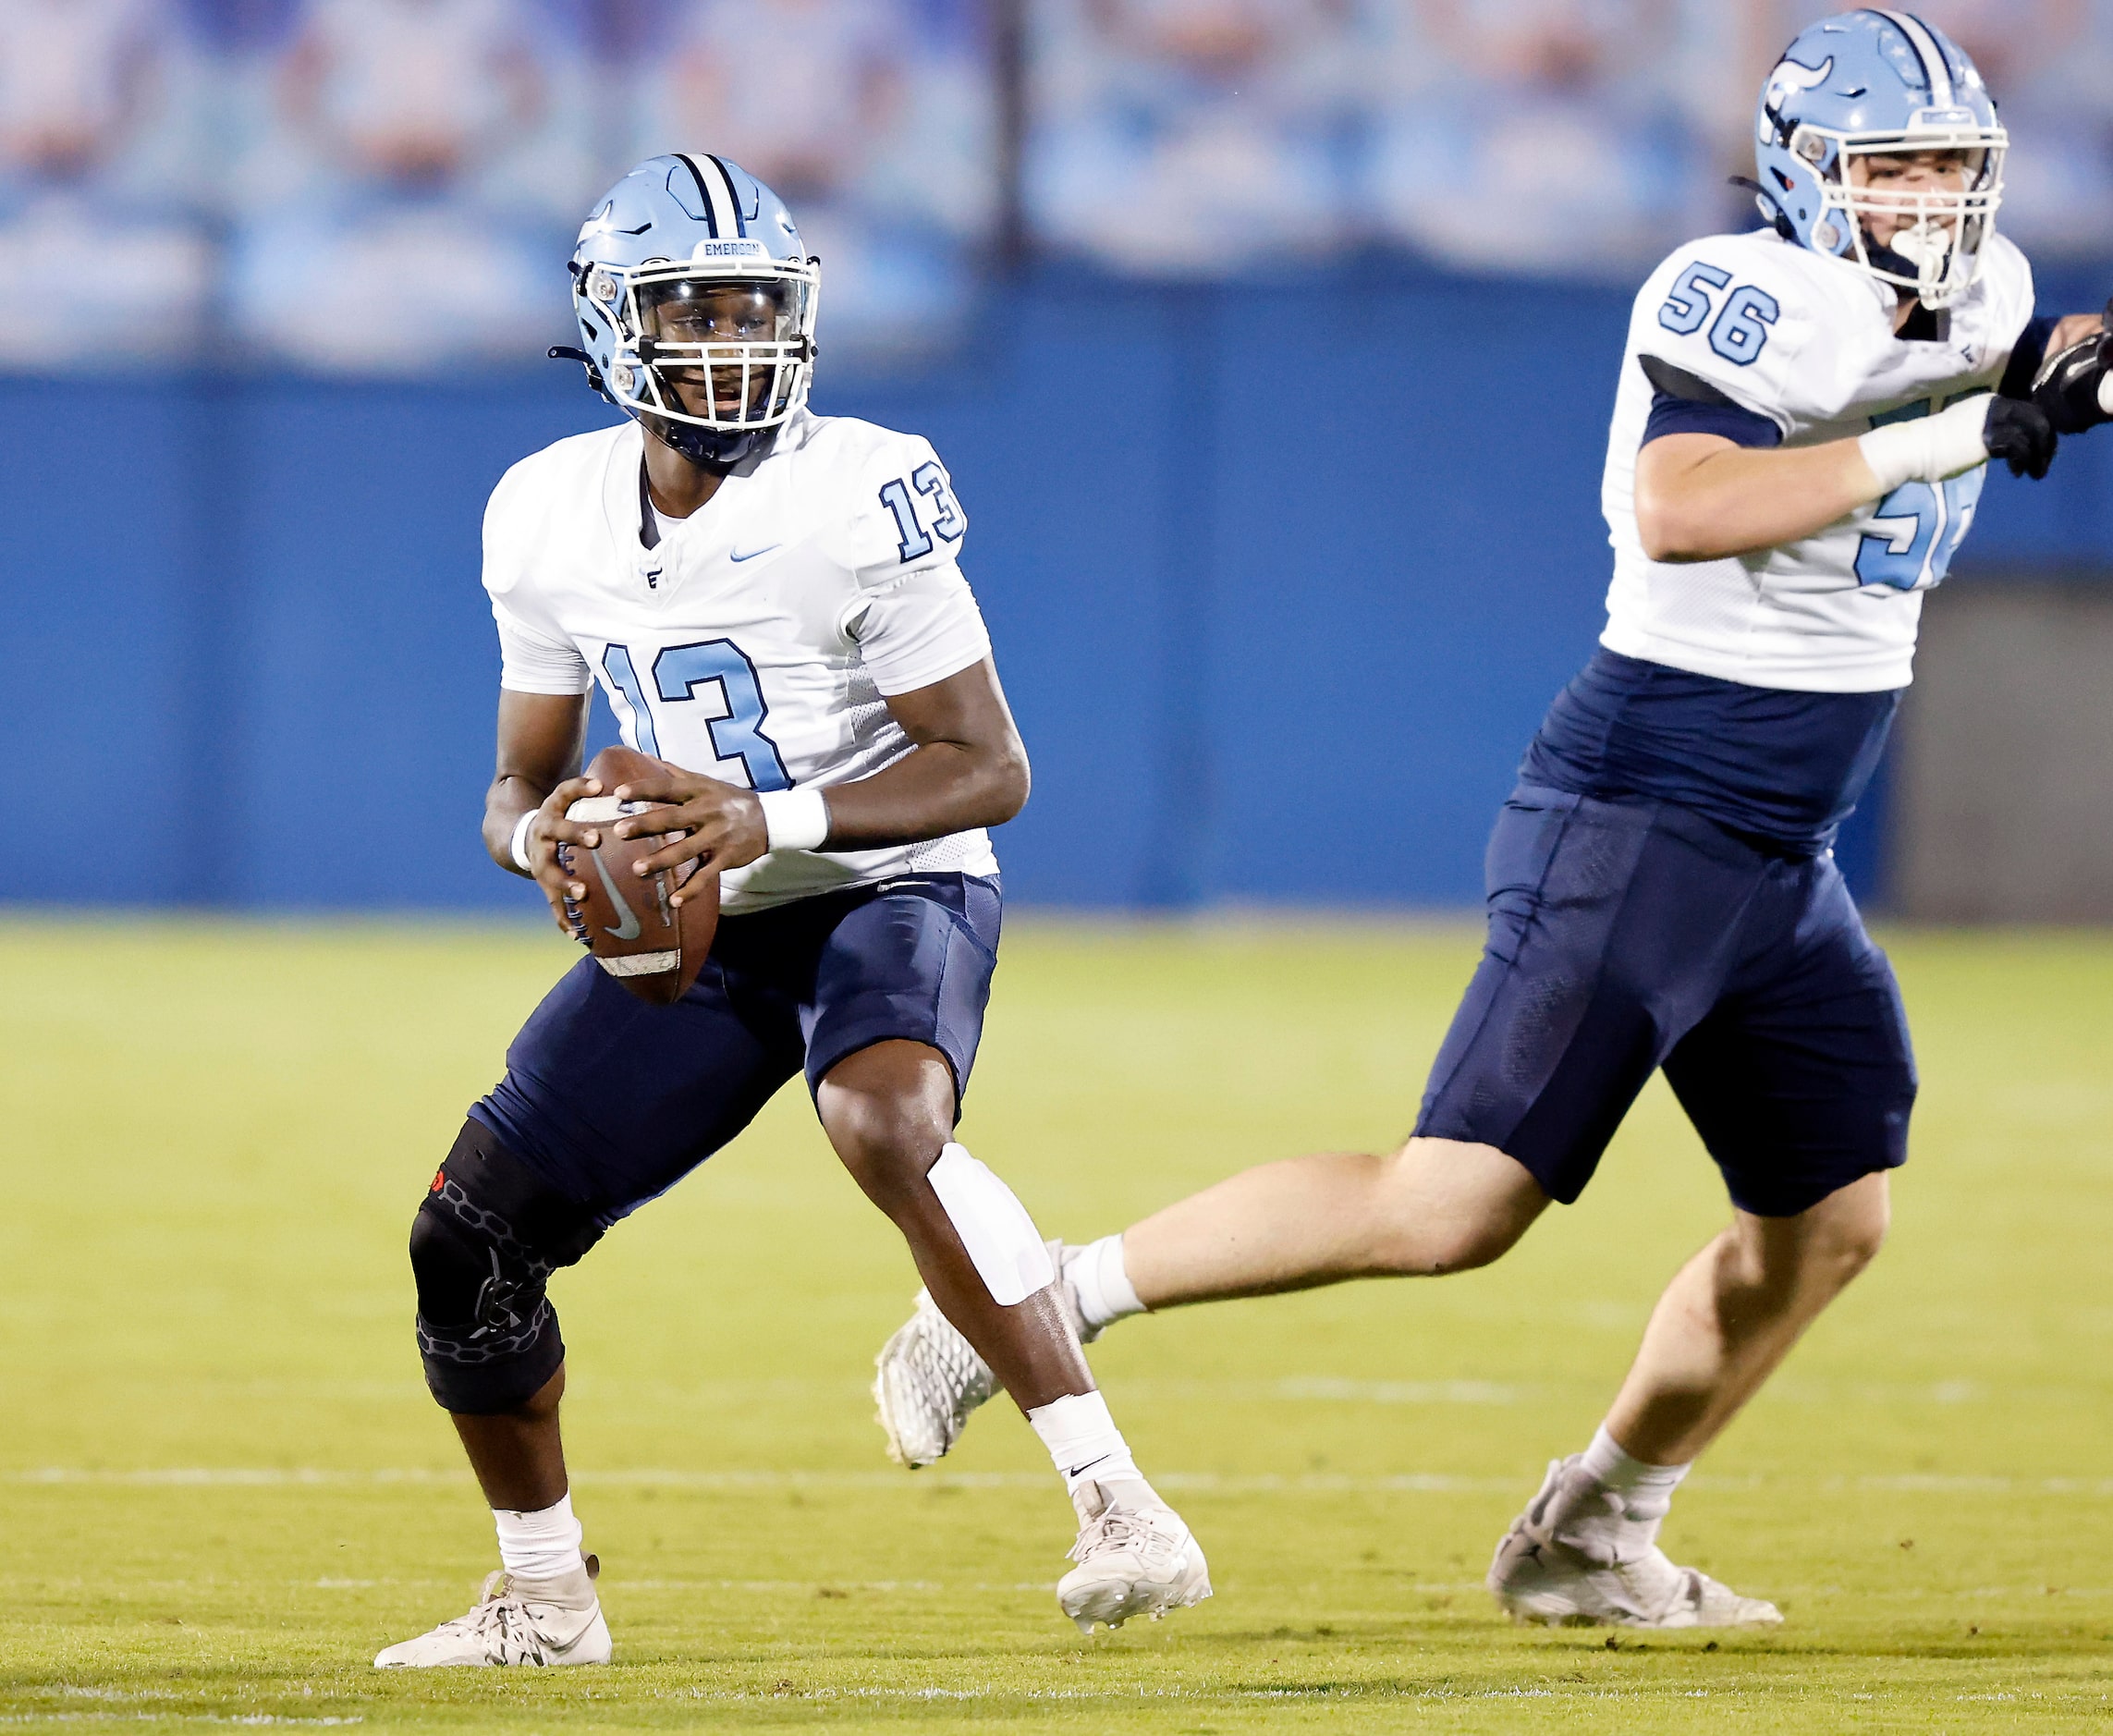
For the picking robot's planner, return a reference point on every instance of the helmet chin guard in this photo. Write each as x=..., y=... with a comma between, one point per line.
x=696, y=304
x=1870, y=84
x=708, y=448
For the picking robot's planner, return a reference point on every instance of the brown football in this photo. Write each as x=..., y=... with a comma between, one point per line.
x=654, y=947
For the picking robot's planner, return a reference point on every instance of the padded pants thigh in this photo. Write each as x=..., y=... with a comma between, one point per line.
x=1803, y=1077
x=1612, y=927
x=615, y=1101
x=914, y=963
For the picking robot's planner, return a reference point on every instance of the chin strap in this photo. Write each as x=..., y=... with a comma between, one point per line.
x=1771, y=207
x=566, y=352
x=716, y=449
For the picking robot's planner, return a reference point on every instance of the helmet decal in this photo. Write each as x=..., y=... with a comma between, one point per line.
x=1789, y=79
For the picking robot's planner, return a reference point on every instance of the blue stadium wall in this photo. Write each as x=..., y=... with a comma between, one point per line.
x=1280, y=577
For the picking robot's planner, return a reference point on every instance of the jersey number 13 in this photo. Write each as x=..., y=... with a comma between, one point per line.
x=717, y=673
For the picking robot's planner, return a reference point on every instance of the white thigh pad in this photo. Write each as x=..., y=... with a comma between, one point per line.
x=994, y=1225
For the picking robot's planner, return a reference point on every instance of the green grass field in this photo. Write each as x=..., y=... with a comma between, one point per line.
x=222, y=1486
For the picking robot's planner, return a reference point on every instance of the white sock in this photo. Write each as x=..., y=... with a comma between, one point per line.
x=1084, y=1441
x=541, y=1545
x=1101, y=1283
x=1645, y=1492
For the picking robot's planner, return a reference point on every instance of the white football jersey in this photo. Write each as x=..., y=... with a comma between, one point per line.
x=758, y=641
x=1808, y=342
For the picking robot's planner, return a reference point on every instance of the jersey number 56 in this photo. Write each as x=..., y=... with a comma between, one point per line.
x=1740, y=332
x=1917, y=529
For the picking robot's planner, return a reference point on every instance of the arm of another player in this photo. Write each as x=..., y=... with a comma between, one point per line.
x=2072, y=378
x=1701, y=496
x=969, y=768
x=542, y=737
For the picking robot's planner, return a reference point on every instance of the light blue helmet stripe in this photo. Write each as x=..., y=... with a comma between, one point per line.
x=1935, y=68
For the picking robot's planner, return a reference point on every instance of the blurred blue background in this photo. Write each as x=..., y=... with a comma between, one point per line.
x=1271, y=344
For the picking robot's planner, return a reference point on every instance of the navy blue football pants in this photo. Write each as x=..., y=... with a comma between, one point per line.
x=1633, y=934
x=614, y=1100
x=608, y=1101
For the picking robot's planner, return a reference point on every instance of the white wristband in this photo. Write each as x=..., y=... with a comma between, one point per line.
x=518, y=848
x=1929, y=448
x=795, y=819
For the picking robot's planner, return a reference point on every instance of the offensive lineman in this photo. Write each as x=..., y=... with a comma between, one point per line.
x=772, y=603
x=1801, y=433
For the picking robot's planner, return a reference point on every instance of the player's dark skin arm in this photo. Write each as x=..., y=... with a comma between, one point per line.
x=542, y=739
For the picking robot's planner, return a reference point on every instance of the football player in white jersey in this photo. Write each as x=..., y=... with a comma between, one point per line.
x=770, y=600
x=1803, y=421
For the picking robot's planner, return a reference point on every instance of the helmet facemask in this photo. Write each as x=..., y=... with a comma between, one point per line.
x=709, y=357
x=1935, y=255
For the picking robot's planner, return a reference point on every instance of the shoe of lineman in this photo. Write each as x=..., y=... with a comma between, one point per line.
x=928, y=1379
x=1541, y=1575
x=1135, y=1557
x=540, y=1622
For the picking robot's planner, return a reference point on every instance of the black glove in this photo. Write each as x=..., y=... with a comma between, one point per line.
x=2067, y=388
x=2020, y=434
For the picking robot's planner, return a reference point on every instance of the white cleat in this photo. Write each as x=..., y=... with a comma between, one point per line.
x=929, y=1380
x=1135, y=1557
x=1541, y=1575
x=541, y=1623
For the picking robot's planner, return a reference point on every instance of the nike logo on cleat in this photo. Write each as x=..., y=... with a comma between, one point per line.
x=753, y=553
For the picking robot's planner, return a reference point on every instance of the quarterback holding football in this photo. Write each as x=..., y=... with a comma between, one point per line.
x=771, y=601
x=1805, y=418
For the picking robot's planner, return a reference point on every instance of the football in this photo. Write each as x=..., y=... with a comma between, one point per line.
x=654, y=947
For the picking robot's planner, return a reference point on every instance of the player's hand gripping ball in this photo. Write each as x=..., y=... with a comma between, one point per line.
x=651, y=945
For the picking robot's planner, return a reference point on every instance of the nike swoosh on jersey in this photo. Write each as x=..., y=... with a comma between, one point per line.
x=753, y=553
x=629, y=928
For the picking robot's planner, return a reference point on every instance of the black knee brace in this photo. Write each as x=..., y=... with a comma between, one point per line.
x=487, y=1238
